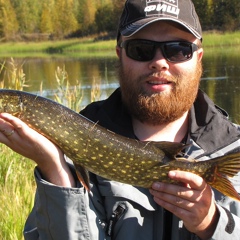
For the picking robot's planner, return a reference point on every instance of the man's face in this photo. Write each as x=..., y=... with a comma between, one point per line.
x=158, y=91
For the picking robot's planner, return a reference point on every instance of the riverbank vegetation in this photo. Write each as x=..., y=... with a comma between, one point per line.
x=17, y=189
x=17, y=184
x=89, y=47
x=34, y=20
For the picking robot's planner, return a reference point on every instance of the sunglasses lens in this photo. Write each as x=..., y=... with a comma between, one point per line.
x=177, y=52
x=140, y=50
x=144, y=50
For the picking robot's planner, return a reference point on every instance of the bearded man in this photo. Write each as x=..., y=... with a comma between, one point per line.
x=160, y=65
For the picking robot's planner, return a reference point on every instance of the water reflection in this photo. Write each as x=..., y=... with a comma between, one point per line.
x=220, y=79
x=41, y=74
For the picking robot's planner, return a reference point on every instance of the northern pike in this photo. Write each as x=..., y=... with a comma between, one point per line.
x=98, y=150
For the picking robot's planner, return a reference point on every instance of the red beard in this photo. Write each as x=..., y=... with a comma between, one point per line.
x=160, y=108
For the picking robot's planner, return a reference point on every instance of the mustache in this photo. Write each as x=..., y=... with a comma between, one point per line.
x=164, y=76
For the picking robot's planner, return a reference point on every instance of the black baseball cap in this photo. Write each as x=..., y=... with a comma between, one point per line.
x=139, y=13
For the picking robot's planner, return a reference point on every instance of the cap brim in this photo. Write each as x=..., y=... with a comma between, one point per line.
x=133, y=28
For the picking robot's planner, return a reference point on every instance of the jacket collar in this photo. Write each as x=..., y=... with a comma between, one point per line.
x=209, y=125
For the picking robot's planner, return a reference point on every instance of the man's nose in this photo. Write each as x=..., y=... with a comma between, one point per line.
x=159, y=62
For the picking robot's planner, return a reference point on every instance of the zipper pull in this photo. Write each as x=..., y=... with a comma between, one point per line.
x=114, y=218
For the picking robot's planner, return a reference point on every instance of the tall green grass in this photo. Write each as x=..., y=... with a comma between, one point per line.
x=78, y=47
x=17, y=189
x=88, y=47
x=17, y=185
x=221, y=39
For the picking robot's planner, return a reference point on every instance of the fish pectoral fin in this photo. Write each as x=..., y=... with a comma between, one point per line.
x=171, y=149
x=83, y=176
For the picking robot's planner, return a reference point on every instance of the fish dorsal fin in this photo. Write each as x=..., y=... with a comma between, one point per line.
x=171, y=149
x=83, y=176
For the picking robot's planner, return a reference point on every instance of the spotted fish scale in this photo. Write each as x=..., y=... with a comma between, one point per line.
x=96, y=149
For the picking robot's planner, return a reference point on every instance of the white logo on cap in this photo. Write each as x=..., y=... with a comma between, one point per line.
x=161, y=7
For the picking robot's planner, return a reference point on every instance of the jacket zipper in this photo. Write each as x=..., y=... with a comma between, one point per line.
x=116, y=215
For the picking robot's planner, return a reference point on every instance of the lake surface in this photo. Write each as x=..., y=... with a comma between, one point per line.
x=220, y=79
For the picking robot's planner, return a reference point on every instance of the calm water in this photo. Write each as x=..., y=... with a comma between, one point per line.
x=220, y=79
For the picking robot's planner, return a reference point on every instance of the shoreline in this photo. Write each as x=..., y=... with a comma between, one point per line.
x=90, y=47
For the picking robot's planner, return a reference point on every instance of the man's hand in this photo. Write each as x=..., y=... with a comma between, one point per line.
x=20, y=138
x=191, y=201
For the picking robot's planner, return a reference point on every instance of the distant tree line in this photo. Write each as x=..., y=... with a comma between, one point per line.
x=57, y=19
x=222, y=15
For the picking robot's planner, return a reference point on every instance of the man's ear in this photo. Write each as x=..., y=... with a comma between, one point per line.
x=118, y=50
x=200, y=54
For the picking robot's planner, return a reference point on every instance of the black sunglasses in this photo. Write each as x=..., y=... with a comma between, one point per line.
x=144, y=50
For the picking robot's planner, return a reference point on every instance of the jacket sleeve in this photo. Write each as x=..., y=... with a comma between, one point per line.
x=228, y=226
x=64, y=213
x=229, y=222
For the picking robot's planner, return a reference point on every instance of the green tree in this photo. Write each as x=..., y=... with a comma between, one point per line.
x=104, y=19
x=28, y=14
x=8, y=20
x=117, y=10
x=65, y=21
x=46, y=21
x=82, y=17
x=87, y=17
x=203, y=9
x=226, y=14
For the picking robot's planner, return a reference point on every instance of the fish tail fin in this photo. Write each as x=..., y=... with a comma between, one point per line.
x=226, y=167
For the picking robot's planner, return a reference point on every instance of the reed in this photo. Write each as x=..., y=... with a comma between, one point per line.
x=17, y=185
x=70, y=96
x=17, y=190
x=14, y=77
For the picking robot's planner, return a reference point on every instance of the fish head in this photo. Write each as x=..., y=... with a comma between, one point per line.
x=11, y=102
